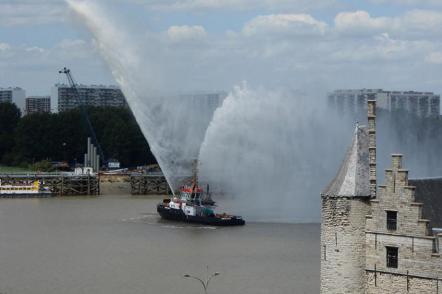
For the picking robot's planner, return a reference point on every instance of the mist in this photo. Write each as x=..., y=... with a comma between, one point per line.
x=173, y=123
x=267, y=149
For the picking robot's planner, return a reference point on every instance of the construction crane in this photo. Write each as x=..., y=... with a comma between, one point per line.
x=83, y=111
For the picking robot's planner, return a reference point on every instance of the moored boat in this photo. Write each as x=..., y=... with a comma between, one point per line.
x=33, y=190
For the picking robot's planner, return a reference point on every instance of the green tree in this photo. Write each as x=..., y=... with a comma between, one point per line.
x=35, y=136
x=63, y=136
x=9, y=118
x=42, y=166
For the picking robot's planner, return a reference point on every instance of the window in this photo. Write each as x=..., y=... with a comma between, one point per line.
x=392, y=257
x=392, y=220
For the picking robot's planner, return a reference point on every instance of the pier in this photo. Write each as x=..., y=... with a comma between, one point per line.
x=58, y=184
x=149, y=184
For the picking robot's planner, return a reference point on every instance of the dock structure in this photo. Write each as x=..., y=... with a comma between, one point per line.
x=58, y=184
x=149, y=184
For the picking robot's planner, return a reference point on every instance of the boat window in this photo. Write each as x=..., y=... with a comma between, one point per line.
x=184, y=196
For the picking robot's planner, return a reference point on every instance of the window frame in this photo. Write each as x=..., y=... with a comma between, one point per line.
x=392, y=256
x=391, y=222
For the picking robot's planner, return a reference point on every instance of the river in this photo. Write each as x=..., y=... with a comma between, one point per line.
x=117, y=244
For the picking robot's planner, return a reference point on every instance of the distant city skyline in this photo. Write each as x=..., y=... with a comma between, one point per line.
x=302, y=44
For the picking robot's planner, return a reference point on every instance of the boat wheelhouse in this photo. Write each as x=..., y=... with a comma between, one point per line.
x=195, y=206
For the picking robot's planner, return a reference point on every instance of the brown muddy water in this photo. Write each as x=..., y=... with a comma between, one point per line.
x=117, y=244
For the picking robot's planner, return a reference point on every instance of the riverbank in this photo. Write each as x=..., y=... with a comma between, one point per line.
x=115, y=185
x=12, y=169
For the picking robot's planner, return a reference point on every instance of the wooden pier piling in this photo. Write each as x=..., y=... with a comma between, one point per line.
x=149, y=184
x=58, y=184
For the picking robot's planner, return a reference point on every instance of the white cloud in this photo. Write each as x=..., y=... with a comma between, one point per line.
x=421, y=21
x=361, y=22
x=410, y=2
x=298, y=5
x=382, y=48
x=186, y=33
x=434, y=57
x=31, y=12
x=357, y=49
x=71, y=44
x=65, y=50
x=283, y=48
x=35, y=68
x=4, y=46
x=34, y=49
x=413, y=24
x=292, y=24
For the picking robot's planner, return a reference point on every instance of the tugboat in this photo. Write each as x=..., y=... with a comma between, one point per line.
x=24, y=191
x=191, y=206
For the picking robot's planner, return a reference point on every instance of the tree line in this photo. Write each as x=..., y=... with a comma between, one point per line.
x=63, y=136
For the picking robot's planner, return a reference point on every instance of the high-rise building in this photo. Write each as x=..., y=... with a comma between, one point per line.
x=14, y=95
x=38, y=104
x=63, y=97
x=422, y=104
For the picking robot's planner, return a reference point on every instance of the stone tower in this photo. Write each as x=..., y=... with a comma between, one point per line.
x=372, y=146
x=345, y=204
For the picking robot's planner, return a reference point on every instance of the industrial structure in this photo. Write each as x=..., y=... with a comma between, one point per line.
x=64, y=98
x=14, y=95
x=422, y=104
x=379, y=239
x=91, y=158
x=38, y=104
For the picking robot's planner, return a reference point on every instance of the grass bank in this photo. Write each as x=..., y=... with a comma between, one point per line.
x=12, y=169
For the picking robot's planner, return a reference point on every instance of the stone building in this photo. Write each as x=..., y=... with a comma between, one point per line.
x=380, y=239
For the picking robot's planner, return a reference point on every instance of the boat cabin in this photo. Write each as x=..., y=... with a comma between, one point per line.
x=20, y=189
x=192, y=194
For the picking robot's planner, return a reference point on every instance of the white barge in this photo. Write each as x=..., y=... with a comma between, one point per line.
x=34, y=190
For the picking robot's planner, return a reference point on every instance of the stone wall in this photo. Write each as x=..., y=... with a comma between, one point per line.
x=343, y=245
x=415, y=254
x=386, y=283
x=418, y=254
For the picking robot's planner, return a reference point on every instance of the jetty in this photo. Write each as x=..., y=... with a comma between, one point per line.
x=59, y=184
x=149, y=184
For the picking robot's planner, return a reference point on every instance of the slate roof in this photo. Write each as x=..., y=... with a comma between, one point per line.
x=429, y=192
x=352, y=179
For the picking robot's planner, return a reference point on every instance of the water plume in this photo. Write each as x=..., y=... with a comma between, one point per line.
x=266, y=153
x=173, y=124
x=269, y=152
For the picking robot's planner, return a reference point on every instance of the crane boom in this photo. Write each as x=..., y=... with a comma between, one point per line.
x=83, y=111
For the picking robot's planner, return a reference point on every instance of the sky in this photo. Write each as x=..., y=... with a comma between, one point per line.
x=216, y=44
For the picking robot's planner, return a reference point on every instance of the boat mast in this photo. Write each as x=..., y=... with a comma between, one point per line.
x=195, y=173
x=195, y=180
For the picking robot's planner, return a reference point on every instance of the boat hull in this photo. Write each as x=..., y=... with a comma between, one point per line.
x=26, y=195
x=178, y=215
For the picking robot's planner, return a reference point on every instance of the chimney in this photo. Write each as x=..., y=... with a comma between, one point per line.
x=372, y=145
